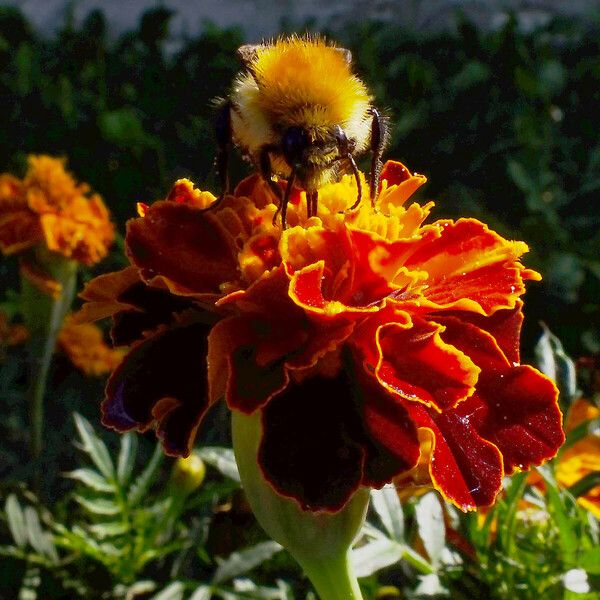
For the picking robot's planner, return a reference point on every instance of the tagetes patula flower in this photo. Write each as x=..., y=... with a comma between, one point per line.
x=583, y=457
x=49, y=207
x=84, y=345
x=363, y=338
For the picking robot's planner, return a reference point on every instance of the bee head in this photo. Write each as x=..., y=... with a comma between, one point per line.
x=302, y=146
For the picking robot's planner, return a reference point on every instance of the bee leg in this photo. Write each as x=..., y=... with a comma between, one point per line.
x=357, y=179
x=379, y=132
x=264, y=164
x=223, y=136
x=312, y=201
x=286, y=199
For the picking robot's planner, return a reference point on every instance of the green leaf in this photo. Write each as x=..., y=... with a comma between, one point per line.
x=376, y=555
x=204, y=592
x=39, y=539
x=590, y=561
x=98, y=506
x=91, y=479
x=171, y=592
x=124, y=128
x=387, y=505
x=241, y=562
x=142, y=484
x=556, y=364
x=430, y=523
x=590, y=427
x=107, y=530
x=126, y=460
x=566, y=532
x=95, y=447
x=16, y=521
x=221, y=459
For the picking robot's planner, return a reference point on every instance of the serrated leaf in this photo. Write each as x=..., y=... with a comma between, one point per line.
x=91, y=479
x=39, y=539
x=241, y=562
x=94, y=447
x=204, y=592
x=556, y=364
x=142, y=484
x=221, y=459
x=430, y=523
x=389, y=510
x=16, y=521
x=171, y=592
x=98, y=506
x=126, y=460
x=106, y=530
x=376, y=555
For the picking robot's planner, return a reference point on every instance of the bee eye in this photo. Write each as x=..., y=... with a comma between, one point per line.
x=294, y=143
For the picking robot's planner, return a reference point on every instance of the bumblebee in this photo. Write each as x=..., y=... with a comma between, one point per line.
x=297, y=111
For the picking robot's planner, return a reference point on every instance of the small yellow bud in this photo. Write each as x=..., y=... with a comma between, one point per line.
x=388, y=592
x=188, y=474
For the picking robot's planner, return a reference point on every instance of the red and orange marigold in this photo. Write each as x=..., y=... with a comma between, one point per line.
x=365, y=339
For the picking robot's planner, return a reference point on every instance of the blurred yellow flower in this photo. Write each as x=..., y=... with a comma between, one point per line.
x=583, y=457
x=85, y=347
x=49, y=207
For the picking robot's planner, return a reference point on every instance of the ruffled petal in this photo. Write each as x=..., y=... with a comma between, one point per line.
x=465, y=468
x=416, y=364
x=515, y=407
x=162, y=381
x=183, y=249
x=469, y=268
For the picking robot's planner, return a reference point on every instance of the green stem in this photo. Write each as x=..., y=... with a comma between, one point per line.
x=319, y=541
x=44, y=316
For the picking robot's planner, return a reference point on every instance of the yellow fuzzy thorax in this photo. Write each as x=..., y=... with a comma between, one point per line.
x=306, y=82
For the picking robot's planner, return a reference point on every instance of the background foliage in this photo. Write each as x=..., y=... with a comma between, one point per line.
x=505, y=125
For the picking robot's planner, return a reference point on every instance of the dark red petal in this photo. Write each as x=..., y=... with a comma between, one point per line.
x=464, y=467
x=504, y=326
x=392, y=444
x=162, y=380
x=394, y=173
x=515, y=407
x=154, y=306
x=416, y=364
x=246, y=360
x=182, y=248
x=311, y=445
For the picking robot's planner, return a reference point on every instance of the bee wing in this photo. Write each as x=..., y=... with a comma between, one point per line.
x=248, y=53
x=346, y=54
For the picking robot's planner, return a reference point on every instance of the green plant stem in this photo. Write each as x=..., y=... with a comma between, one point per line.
x=319, y=541
x=44, y=316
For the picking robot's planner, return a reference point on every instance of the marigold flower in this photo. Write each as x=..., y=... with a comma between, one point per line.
x=367, y=339
x=49, y=207
x=84, y=344
x=581, y=458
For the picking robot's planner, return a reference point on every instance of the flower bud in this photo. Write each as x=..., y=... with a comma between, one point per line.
x=188, y=474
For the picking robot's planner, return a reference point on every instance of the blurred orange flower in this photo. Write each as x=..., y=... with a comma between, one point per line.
x=83, y=343
x=49, y=207
x=583, y=457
